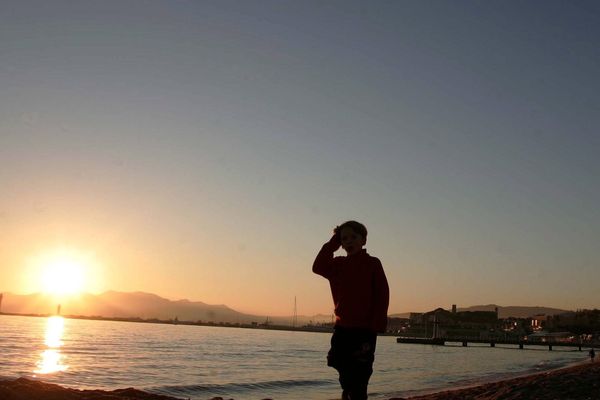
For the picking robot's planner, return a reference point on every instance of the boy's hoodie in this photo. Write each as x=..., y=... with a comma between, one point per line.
x=359, y=288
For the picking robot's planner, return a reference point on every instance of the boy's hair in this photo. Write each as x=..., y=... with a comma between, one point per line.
x=357, y=227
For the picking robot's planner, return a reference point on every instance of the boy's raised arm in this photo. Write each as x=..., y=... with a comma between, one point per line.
x=323, y=264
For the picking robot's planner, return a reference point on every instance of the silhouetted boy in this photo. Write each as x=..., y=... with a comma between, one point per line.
x=361, y=296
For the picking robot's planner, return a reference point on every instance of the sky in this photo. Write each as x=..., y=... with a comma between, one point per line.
x=206, y=149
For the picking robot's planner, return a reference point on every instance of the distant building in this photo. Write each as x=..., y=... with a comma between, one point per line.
x=415, y=317
x=552, y=337
x=398, y=325
x=538, y=322
x=580, y=322
x=443, y=323
x=515, y=326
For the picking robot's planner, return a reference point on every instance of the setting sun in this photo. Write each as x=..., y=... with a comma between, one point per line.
x=62, y=273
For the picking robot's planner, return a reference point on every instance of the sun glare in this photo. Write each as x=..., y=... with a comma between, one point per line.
x=62, y=273
x=51, y=359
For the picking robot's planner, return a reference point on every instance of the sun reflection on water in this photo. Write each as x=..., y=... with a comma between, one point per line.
x=51, y=359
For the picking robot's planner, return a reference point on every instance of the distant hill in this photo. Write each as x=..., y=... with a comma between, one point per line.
x=516, y=311
x=400, y=315
x=505, y=312
x=140, y=305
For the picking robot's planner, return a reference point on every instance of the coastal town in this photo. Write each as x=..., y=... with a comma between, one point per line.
x=571, y=326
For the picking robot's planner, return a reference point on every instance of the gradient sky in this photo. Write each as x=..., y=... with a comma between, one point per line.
x=206, y=149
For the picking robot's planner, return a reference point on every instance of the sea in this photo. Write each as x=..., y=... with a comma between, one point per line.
x=202, y=362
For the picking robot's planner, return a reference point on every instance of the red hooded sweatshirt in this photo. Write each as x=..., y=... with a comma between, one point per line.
x=359, y=288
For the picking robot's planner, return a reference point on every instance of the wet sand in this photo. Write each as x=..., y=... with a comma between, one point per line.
x=580, y=382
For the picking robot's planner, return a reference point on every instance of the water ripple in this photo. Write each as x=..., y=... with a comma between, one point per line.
x=238, y=387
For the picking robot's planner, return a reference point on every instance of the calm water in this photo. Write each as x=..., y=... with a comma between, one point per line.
x=202, y=362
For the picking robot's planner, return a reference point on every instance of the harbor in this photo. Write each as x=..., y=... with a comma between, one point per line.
x=441, y=327
x=493, y=342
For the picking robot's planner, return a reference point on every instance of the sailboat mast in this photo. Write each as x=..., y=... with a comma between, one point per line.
x=295, y=321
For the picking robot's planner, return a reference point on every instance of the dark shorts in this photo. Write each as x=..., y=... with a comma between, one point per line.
x=352, y=354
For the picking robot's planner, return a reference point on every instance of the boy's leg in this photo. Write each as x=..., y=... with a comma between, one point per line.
x=352, y=354
x=358, y=368
x=345, y=383
x=356, y=381
x=338, y=358
x=362, y=366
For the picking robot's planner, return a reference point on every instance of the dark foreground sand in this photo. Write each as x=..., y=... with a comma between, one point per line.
x=581, y=382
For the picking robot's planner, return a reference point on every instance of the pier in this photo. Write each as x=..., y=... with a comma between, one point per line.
x=493, y=342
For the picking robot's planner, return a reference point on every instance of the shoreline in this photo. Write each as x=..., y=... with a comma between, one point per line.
x=476, y=382
x=580, y=381
x=575, y=381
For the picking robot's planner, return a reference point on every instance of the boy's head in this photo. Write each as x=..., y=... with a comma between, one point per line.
x=352, y=236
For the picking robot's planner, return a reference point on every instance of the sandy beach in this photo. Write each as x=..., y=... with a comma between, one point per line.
x=577, y=382
x=580, y=382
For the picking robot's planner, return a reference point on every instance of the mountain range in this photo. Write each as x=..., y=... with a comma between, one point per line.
x=114, y=304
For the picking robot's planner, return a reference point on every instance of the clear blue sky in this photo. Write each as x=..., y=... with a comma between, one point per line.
x=205, y=149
